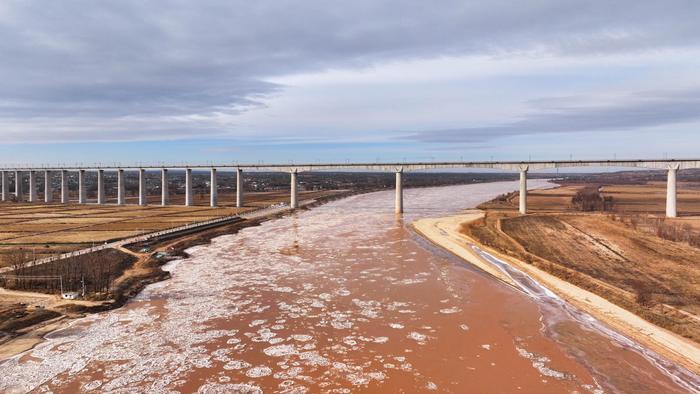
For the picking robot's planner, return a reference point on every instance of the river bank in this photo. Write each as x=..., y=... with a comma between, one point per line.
x=445, y=232
x=147, y=269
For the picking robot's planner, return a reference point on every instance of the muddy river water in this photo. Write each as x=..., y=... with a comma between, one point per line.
x=341, y=298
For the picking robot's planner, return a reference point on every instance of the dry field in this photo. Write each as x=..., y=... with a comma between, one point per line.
x=44, y=229
x=615, y=254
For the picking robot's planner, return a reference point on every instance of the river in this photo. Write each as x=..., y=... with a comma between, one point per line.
x=341, y=298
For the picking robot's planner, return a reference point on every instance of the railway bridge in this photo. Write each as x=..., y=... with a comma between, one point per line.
x=670, y=165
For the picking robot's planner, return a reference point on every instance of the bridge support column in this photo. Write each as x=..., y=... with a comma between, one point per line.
x=398, y=205
x=213, y=197
x=82, y=192
x=293, y=202
x=100, y=186
x=523, y=191
x=142, y=187
x=671, y=193
x=64, y=187
x=32, y=186
x=5, y=186
x=18, y=186
x=188, y=187
x=121, y=188
x=48, y=189
x=164, y=192
x=239, y=188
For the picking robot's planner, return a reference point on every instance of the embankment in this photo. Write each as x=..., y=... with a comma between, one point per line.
x=447, y=233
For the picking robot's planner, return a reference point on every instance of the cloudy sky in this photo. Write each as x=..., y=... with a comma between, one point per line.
x=197, y=81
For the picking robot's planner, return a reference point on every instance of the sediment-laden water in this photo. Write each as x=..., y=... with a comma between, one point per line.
x=342, y=298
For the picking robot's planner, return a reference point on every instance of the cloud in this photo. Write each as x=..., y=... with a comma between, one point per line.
x=124, y=70
x=554, y=115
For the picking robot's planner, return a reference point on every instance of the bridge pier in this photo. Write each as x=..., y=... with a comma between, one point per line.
x=142, y=187
x=32, y=186
x=239, y=188
x=48, y=189
x=293, y=190
x=64, y=187
x=188, y=187
x=18, y=186
x=523, y=191
x=100, y=187
x=671, y=193
x=82, y=192
x=164, y=193
x=398, y=205
x=213, y=197
x=5, y=186
x=121, y=188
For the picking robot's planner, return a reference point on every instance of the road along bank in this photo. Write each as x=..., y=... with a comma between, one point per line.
x=445, y=232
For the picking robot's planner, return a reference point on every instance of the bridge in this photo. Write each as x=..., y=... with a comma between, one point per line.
x=670, y=165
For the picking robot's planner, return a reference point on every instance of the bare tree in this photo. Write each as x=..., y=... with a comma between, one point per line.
x=18, y=261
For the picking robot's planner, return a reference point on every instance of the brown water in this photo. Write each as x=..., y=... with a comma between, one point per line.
x=342, y=298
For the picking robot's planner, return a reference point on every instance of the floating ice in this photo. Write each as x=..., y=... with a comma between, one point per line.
x=280, y=350
x=539, y=362
x=92, y=385
x=418, y=337
x=448, y=311
x=259, y=371
x=239, y=388
x=236, y=364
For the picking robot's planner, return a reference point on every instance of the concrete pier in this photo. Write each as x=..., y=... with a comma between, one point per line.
x=48, y=189
x=5, y=195
x=18, y=186
x=82, y=191
x=293, y=202
x=142, y=187
x=398, y=205
x=64, y=187
x=100, y=186
x=213, y=197
x=121, y=189
x=188, y=187
x=523, y=191
x=164, y=193
x=239, y=188
x=32, y=186
x=671, y=193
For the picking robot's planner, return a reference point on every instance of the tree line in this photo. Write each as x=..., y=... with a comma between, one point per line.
x=98, y=270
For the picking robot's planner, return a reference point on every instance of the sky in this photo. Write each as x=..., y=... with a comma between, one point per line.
x=282, y=81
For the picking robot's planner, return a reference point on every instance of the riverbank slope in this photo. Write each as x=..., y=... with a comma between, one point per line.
x=447, y=233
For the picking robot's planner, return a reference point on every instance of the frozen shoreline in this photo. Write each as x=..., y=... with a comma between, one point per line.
x=444, y=232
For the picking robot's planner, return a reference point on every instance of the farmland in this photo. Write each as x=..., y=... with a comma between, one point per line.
x=40, y=230
x=625, y=251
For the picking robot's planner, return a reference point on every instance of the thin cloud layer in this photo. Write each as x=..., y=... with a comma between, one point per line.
x=132, y=70
x=646, y=109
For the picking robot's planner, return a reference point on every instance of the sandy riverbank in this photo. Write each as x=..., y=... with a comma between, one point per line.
x=445, y=233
